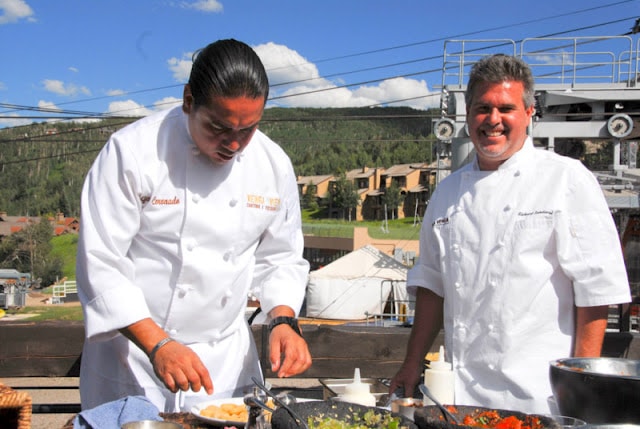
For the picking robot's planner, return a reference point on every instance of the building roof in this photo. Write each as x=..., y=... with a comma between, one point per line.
x=403, y=169
x=361, y=173
x=314, y=180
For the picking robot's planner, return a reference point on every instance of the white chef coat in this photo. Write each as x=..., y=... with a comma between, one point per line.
x=167, y=234
x=511, y=251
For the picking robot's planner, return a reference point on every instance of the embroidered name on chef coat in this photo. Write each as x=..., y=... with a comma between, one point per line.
x=165, y=201
x=263, y=203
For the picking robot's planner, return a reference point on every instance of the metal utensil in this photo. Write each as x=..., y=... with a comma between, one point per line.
x=426, y=392
x=281, y=403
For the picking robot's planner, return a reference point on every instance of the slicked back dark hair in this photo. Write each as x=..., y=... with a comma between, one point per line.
x=500, y=68
x=227, y=68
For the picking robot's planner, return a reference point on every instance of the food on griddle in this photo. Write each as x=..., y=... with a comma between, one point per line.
x=492, y=419
x=369, y=420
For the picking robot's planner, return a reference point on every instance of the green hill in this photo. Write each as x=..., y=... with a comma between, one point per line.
x=43, y=165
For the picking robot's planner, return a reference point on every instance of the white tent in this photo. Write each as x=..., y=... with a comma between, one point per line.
x=356, y=286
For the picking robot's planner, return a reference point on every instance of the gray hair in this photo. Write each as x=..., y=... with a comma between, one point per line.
x=500, y=68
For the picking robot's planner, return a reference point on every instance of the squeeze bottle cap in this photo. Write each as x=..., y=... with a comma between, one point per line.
x=440, y=364
x=357, y=386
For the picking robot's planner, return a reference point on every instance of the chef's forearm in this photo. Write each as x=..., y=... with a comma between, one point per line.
x=427, y=323
x=591, y=324
x=145, y=334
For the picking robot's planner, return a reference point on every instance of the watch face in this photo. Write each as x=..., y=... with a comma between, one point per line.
x=620, y=125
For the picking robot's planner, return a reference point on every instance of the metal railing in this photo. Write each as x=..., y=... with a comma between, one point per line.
x=567, y=61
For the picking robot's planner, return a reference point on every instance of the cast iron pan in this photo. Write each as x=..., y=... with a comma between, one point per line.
x=343, y=411
x=431, y=417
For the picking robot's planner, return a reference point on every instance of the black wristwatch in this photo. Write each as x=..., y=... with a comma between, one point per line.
x=291, y=321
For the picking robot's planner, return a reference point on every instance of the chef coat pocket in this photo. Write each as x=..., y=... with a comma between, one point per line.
x=532, y=231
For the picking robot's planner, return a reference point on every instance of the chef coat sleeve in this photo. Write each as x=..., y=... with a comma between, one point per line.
x=280, y=270
x=427, y=271
x=111, y=208
x=589, y=249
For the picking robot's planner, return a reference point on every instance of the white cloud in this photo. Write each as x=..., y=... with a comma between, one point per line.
x=399, y=89
x=286, y=65
x=114, y=92
x=11, y=122
x=209, y=6
x=128, y=108
x=309, y=89
x=73, y=69
x=67, y=90
x=49, y=105
x=167, y=103
x=181, y=67
x=2, y=86
x=15, y=10
x=297, y=82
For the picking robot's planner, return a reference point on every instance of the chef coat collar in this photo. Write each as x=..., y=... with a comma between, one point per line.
x=515, y=159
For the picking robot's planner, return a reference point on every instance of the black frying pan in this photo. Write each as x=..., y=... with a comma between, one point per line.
x=431, y=417
x=343, y=411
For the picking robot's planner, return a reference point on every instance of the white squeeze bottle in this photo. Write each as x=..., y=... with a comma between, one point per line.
x=439, y=379
x=358, y=392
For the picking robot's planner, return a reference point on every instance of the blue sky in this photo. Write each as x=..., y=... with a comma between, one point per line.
x=131, y=57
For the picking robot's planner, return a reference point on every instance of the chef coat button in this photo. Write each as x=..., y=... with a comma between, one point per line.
x=516, y=174
x=223, y=301
x=507, y=207
x=190, y=246
x=173, y=332
x=226, y=256
x=492, y=366
x=457, y=285
x=195, y=151
x=182, y=293
x=455, y=247
x=228, y=293
x=233, y=202
x=492, y=283
x=500, y=243
x=213, y=343
x=195, y=198
x=491, y=327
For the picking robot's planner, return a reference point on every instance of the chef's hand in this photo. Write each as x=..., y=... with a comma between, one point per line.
x=288, y=352
x=180, y=368
x=405, y=380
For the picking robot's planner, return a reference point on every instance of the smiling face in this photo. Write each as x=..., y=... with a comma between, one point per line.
x=497, y=120
x=224, y=127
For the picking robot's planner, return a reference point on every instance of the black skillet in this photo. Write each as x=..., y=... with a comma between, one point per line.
x=431, y=417
x=342, y=411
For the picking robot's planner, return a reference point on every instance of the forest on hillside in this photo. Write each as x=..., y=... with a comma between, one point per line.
x=43, y=165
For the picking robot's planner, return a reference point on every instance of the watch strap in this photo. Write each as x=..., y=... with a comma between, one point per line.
x=285, y=320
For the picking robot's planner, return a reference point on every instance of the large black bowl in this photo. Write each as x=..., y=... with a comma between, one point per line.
x=344, y=411
x=430, y=417
x=597, y=390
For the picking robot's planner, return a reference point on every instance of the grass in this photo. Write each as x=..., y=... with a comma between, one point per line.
x=65, y=247
x=50, y=312
x=395, y=229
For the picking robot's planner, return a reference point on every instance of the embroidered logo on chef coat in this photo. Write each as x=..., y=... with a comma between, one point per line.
x=440, y=221
x=263, y=203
